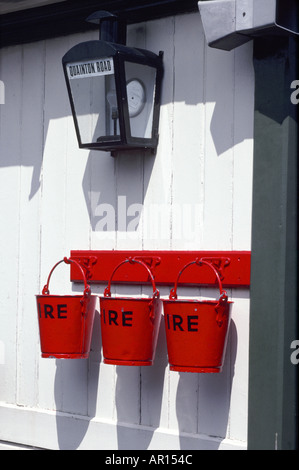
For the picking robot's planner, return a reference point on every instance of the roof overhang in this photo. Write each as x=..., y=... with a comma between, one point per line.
x=9, y=6
x=21, y=23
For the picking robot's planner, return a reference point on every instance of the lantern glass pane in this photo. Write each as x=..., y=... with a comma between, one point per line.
x=94, y=99
x=141, y=84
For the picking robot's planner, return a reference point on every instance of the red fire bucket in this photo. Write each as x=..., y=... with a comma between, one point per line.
x=196, y=330
x=65, y=321
x=130, y=325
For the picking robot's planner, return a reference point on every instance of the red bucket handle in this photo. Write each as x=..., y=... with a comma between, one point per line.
x=107, y=292
x=67, y=261
x=199, y=262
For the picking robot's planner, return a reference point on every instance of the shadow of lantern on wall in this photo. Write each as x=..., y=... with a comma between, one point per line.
x=114, y=90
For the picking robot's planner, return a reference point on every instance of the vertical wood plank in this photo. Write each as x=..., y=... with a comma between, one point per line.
x=53, y=203
x=156, y=218
x=187, y=189
x=129, y=202
x=55, y=244
x=188, y=134
x=10, y=174
x=239, y=363
x=242, y=202
x=243, y=147
x=31, y=153
x=217, y=230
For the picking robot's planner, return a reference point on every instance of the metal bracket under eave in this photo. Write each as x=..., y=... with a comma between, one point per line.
x=233, y=267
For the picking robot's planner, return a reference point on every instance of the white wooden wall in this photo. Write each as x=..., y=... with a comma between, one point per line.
x=53, y=199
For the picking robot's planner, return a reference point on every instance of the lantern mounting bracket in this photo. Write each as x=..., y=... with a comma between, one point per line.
x=112, y=28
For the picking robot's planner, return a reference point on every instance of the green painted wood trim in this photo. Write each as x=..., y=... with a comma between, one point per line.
x=273, y=379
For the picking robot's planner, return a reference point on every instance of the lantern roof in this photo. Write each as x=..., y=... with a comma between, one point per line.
x=96, y=49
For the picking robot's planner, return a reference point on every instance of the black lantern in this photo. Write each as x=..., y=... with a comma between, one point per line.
x=114, y=90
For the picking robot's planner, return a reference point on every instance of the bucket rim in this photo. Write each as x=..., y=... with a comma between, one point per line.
x=200, y=301
x=138, y=299
x=48, y=296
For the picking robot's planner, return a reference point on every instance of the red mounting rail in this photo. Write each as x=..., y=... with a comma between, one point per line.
x=232, y=266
